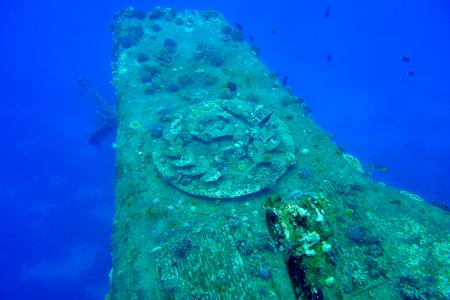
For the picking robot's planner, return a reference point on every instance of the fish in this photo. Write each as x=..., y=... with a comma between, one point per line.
x=250, y=38
x=285, y=80
x=410, y=73
x=327, y=12
x=329, y=57
x=265, y=120
x=405, y=59
x=239, y=26
x=274, y=30
x=370, y=168
x=379, y=167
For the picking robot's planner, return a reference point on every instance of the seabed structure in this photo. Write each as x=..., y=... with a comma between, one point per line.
x=227, y=189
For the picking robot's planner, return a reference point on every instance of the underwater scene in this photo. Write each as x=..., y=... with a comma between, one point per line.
x=225, y=150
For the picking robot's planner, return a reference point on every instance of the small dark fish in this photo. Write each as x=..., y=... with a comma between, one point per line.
x=83, y=82
x=274, y=30
x=442, y=205
x=285, y=80
x=307, y=109
x=410, y=73
x=239, y=26
x=329, y=57
x=379, y=167
x=342, y=149
x=265, y=119
x=250, y=38
x=372, y=167
x=255, y=49
x=327, y=12
x=404, y=59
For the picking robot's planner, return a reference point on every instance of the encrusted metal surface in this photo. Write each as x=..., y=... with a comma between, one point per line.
x=224, y=149
x=201, y=117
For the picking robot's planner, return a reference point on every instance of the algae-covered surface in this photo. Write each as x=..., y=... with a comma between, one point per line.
x=227, y=189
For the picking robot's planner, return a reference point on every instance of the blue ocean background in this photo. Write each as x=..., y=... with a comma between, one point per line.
x=57, y=191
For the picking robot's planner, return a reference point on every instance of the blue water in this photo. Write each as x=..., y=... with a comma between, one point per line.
x=57, y=191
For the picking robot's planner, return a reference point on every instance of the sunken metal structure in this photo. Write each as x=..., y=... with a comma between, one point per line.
x=227, y=189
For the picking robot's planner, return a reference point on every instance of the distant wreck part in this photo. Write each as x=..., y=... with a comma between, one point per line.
x=326, y=14
x=108, y=128
x=105, y=112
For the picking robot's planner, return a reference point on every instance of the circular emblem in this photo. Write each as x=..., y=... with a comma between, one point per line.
x=224, y=149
